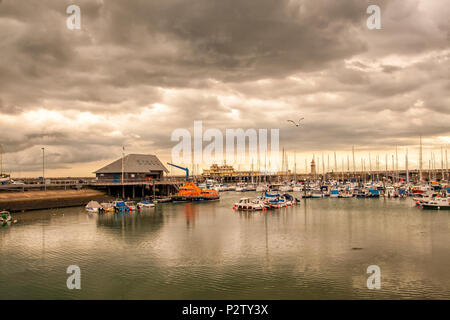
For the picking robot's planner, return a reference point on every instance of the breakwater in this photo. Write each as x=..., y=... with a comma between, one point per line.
x=36, y=200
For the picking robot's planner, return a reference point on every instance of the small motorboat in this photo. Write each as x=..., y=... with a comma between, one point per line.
x=120, y=206
x=5, y=217
x=107, y=207
x=437, y=204
x=317, y=194
x=334, y=193
x=93, y=207
x=130, y=206
x=146, y=204
x=346, y=194
x=249, y=205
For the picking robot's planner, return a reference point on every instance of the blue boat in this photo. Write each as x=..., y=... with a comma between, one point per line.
x=120, y=206
x=374, y=193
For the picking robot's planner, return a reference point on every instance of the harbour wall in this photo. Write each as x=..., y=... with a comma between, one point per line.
x=37, y=200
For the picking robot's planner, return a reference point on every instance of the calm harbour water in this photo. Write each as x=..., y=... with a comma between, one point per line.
x=318, y=250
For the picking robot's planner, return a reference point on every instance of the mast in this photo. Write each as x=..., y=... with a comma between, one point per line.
x=406, y=166
x=393, y=168
x=420, y=159
x=335, y=163
x=446, y=163
x=323, y=167
x=123, y=187
x=1, y=161
x=295, y=166
x=353, y=153
x=386, y=163
x=397, y=177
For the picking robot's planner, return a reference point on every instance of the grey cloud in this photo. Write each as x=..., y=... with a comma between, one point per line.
x=137, y=70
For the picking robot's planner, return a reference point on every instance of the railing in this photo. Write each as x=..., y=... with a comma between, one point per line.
x=133, y=181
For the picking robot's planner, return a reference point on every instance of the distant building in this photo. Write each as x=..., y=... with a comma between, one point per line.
x=216, y=171
x=135, y=167
x=219, y=171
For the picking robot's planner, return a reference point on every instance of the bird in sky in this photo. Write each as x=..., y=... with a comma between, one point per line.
x=295, y=123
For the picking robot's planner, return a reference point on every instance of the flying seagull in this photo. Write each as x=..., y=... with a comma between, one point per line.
x=296, y=124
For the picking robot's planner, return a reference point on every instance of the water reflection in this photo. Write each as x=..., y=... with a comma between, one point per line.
x=208, y=251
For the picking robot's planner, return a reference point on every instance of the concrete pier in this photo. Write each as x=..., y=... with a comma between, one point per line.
x=36, y=200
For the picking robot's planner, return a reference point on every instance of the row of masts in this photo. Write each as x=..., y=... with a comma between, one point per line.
x=390, y=165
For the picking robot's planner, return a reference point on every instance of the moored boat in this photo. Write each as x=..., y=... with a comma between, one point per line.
x=146, y=204
x=437, y=203
x=93, y=207
x=190, y=192
x=250, y=205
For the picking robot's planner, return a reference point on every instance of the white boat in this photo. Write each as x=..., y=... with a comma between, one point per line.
x=437, y=203
x=286, y=188
x=316, y=194
x=146, y=204
x=241, y=188
x=249, y=205
x=93, y=207
x=130, y=205
x=297, y=189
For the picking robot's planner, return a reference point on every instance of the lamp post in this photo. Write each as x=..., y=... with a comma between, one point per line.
x=43, y=168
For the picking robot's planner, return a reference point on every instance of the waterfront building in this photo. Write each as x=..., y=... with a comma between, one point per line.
x=133, y=167
x=215, y=171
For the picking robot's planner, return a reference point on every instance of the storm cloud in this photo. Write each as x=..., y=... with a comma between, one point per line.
x=139, y=69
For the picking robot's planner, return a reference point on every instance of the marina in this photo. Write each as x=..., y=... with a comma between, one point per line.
x=238, y=151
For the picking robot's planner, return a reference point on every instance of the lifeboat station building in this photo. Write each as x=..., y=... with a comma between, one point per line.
x=135, y=167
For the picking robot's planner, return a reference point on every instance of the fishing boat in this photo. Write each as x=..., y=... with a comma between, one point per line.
x=250, y=205
x=5, y=217
x=146, y=204
x=190, y=192
x=437, y=203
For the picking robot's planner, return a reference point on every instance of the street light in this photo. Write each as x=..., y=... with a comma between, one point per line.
x=43, y=168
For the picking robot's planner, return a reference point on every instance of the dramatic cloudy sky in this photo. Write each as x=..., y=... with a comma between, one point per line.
x=139, y=69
